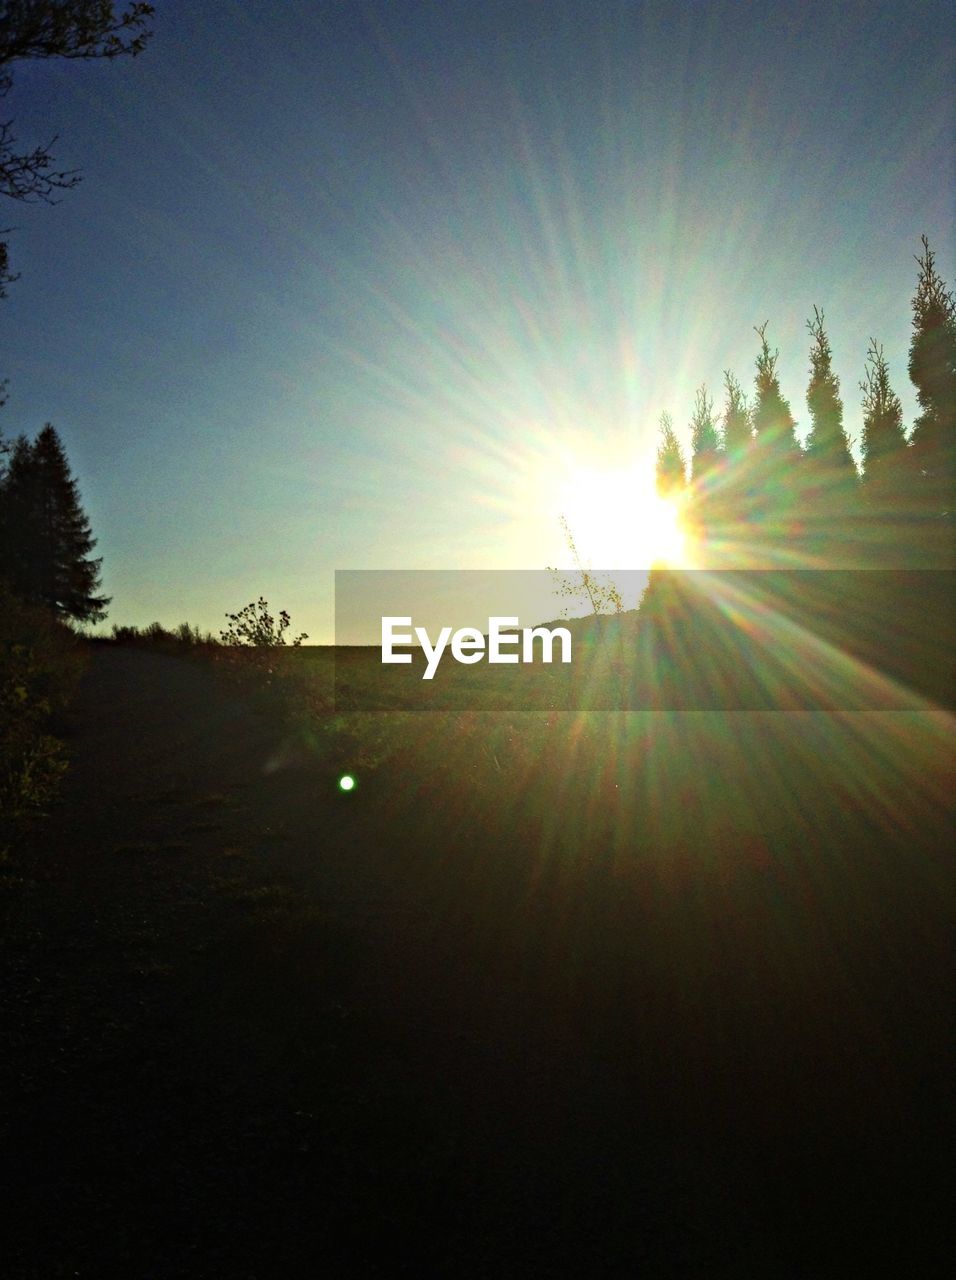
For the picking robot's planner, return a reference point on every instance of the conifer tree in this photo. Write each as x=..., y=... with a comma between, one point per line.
x=47, y=538
x=888, y=469
x=830, y=479
x=705, y=470
x=671, y=467
x=776, y=456
x=826, y=444
x=730, y=500
x=932, y=370
x=15, y=513
x=738, y=428
x=774, y=427
x=884, y=440
x=704, y=438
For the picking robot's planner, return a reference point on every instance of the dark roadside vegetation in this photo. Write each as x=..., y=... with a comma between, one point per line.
x=572, y=993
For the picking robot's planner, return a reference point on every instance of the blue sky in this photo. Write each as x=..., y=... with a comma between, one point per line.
x=377, y=285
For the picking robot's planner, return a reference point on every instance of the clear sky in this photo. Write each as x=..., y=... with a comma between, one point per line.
x=391, y=285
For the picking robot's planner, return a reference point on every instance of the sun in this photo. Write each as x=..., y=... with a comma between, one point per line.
x=619, y=521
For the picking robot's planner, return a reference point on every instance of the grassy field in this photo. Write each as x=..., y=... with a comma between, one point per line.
x=558, y=992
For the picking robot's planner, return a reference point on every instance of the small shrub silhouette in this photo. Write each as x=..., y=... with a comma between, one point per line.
x=255, y=627
x=253, y=636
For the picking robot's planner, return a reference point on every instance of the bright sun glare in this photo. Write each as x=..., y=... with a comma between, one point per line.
x=619, y=521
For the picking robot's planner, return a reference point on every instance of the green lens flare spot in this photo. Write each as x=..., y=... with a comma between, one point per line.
x=346, y=782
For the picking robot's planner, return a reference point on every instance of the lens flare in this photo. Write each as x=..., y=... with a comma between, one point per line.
x=619, y=521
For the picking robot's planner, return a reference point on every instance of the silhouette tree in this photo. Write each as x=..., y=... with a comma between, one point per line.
x=932, y=370
x=46, y=534
x=704, y=438
x=32, y=29
x=775, y=455
x=888, y=468
x=738, y=428
x=671, y=467
x=705, y=468
x=830, y=478
x=730, y=497
x=827, y=443
x=774, y=427
x=18, y=516
x=884, y=440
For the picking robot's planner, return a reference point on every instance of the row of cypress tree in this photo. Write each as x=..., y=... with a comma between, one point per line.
x=754, y=496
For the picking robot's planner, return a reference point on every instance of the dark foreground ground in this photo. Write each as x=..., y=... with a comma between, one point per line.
x=682, y=1011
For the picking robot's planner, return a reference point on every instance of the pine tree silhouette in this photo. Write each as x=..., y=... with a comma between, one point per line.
x=47, y=537
x=730, y=503
x=738, y=428
x=830, y=478
x=888, y=466
x=704, y=438
x=932, y=370
x=776, y=456
x=706, y=458
x=671, y=467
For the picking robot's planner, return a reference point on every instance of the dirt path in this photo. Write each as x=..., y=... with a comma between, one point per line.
x=253, y=1028
x=168, y=993
x=241, y=1039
